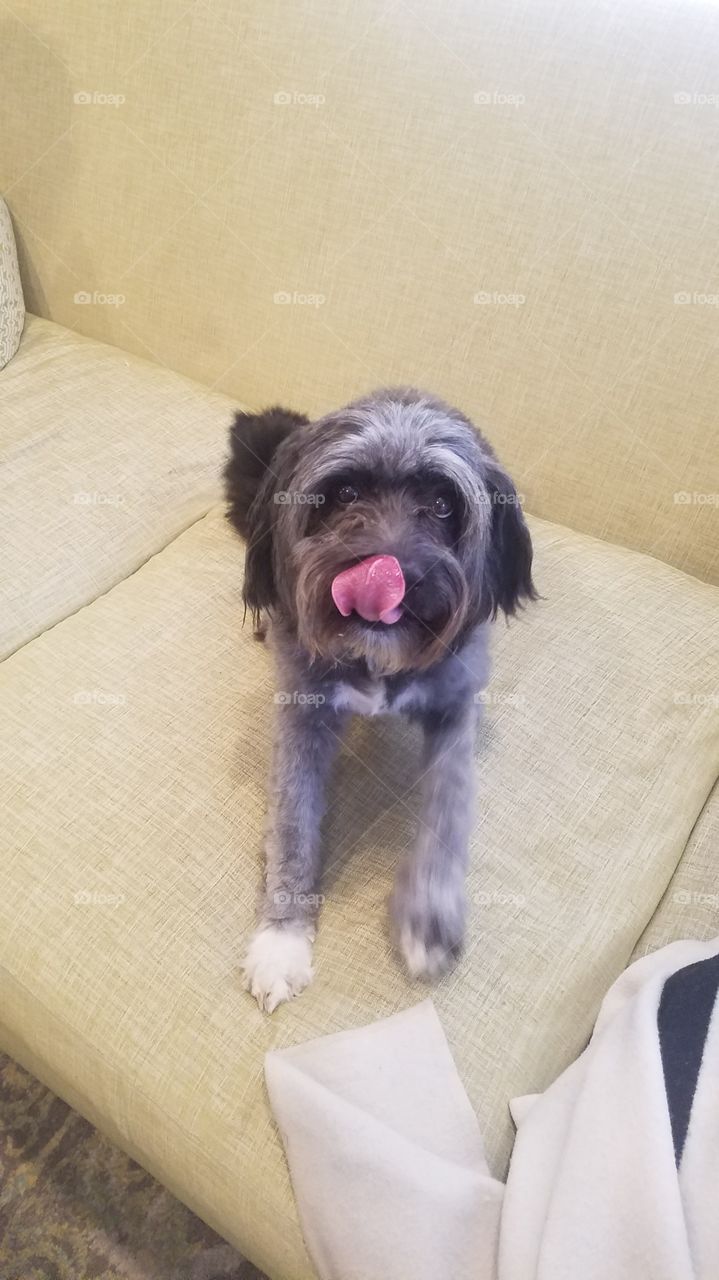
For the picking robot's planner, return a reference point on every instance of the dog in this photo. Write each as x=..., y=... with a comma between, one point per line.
x=382, y=540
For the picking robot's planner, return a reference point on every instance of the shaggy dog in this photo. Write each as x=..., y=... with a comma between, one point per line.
x=381, y=541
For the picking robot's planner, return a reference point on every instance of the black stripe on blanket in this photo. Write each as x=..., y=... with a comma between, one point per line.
x=685, y=1010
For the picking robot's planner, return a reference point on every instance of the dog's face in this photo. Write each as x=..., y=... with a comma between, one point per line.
x=398, y=475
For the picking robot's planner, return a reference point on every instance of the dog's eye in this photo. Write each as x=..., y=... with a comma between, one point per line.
x=347, y=494
x=441, y=507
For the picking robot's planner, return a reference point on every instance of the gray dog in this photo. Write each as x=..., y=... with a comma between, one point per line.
x=381, y=540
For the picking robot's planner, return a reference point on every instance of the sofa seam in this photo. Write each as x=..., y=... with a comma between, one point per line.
x=113, y=586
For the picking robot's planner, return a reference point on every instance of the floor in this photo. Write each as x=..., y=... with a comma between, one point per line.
x=73, y=1207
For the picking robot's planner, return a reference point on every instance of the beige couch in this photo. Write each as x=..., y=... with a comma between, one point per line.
x=393, y=164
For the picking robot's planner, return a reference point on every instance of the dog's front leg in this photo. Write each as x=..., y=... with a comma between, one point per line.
x=428, y=902
x=278, y=964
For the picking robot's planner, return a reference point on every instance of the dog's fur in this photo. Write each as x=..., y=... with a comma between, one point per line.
x=400, y=449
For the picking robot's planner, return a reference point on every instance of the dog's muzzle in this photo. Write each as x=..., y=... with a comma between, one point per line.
x=374, y=589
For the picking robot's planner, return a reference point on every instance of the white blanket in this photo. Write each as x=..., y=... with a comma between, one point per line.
x=615, y=1169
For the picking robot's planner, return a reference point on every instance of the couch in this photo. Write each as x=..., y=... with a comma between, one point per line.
x=296, y=203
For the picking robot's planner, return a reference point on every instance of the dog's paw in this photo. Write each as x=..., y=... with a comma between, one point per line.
x=278, y=964
x=428, y=927
x=424, y=960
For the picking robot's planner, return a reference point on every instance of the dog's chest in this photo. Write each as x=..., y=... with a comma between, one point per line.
x=375, y=697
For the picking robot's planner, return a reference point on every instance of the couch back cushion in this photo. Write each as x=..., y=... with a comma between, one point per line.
x=12, y=306
x=513, y=204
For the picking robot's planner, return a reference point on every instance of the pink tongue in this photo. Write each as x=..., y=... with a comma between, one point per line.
x=373, y=589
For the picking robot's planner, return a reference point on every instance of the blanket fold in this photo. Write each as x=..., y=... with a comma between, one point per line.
x=614, y=1170
x=385, y=1152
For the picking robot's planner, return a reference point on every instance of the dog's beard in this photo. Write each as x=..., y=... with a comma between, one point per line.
x=435, y=611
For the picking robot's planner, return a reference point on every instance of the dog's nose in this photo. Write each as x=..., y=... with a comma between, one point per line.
x=373, y=588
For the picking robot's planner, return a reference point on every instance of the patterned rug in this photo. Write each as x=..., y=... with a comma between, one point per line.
x=73, y=1207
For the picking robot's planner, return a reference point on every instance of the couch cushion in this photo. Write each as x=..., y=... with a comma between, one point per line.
x=273, y=152
x=690, y=906
x=137, y=736
x=103, y=459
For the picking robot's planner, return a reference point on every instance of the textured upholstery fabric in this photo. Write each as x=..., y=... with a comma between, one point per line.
x=514, y=204
x=690, y=906
x=135, y=739
x=12, y=305
x=103, y=459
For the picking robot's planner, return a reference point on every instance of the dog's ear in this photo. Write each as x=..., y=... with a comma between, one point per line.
x=507, y=582
x=254, y=439
x=250, y=479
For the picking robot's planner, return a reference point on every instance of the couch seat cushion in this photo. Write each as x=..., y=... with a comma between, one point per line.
x=136, y=738
x=103, y=459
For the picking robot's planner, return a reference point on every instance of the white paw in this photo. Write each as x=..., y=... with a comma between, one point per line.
x=278, y=964
x=422, y=961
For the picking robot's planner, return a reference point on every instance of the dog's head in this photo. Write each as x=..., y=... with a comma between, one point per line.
x=397, y=482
